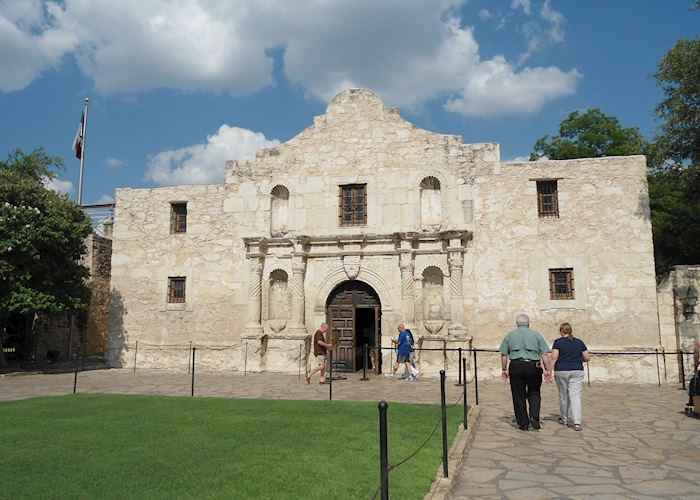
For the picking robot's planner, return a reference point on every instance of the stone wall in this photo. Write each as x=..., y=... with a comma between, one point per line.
x=453, y=245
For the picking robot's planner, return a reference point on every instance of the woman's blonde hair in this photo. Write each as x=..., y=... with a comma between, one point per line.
x=566, y=329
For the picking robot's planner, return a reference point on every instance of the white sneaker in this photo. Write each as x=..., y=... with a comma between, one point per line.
x=388, y=375
x=416, y=375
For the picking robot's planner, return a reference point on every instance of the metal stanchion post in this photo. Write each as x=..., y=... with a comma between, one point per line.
x=459, y=366
x=464, y=391
x=476, y=380
x=682, y=362
x=663, y=356
x=443, y=410
x=136, y=351
x=75, y=378
x=383, y=451
x=658, y=372
x=588, y=373
x=194, y=353
x=330, y=375
x=189, y=357
x=364, y=363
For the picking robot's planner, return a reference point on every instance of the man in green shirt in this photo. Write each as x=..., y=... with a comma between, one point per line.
x=528, y=353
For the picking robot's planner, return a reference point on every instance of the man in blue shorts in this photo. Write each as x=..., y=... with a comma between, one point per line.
x=404, y=353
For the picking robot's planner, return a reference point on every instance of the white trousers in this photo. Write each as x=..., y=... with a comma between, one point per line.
x=569, y=384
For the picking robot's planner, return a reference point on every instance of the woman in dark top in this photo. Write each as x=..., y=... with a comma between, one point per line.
x=568, y=355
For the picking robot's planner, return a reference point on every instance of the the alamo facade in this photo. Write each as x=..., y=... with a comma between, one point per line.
x=364, y=220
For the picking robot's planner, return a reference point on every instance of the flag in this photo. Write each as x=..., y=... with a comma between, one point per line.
x=78, y=141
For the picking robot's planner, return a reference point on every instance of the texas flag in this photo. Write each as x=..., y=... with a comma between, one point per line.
x=78, y=142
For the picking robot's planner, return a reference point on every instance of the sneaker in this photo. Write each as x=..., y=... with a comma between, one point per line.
x=416, y=375
x=389, y=375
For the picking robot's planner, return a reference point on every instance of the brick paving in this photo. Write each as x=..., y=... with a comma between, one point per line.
x=636, y=442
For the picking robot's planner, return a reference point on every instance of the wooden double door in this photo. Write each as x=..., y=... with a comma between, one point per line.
x=354, y=318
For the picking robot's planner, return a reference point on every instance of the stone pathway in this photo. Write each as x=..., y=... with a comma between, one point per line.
x=636, y=443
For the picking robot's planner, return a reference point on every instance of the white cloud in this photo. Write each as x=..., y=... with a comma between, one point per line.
x=65, y=187
x=556, y=22
x=498, y=90
x=537, y=36
x=113, y=163
x=522, y=4
x=205, y=163
x=485, y=14
x=105, y=199
x=28, y=46
x=408, y=51
x=518, y=159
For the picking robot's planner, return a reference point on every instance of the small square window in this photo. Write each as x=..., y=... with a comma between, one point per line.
x=547, y=199
x=178, y=217
x=176, y=290
x=561, y=284
x=353, y=205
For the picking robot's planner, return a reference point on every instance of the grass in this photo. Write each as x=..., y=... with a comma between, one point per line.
x=110, y=446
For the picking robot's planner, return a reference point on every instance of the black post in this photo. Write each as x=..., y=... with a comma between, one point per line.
x=136, y=351
x=75, y=378
x=330, y=375
x=194, y=353
x=663, y=356
x=364, y=363
x=464, y=394
x=189, y=357
x=444, y=424
x=680, y=358
x=459, y=365
x=383, y=451
x=658, y=372
x=476, y=380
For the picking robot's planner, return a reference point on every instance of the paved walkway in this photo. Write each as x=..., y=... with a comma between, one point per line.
x=636, y=442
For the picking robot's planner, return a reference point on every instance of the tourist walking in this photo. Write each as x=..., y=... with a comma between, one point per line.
x=404, y=353
x=568, y=355
x=528, y=354
x=321, y=350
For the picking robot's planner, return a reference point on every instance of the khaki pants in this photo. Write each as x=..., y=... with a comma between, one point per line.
x=569, y=384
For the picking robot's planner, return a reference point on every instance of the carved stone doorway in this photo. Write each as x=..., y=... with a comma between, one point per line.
x=353, y=314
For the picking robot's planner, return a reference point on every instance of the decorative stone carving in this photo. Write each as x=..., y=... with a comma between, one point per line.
x=456, y=263
x=297, y=288
x=351, y=266
x=254, y=295
x=407, y=289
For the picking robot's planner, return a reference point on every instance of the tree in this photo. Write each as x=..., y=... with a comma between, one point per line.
x=674, y=183
x=588, y=135
x=42, y=237
x=679, y=77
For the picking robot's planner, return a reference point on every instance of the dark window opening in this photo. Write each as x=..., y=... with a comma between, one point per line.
x=353, y=205
x=547, y=199
x=176, y=290
x=561, y=284
x=178, y=217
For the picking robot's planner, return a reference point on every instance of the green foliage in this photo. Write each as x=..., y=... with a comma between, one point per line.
x=109, y=446
x=41, y=240
x=679, y=77
x=588, y=135
x=674, y=199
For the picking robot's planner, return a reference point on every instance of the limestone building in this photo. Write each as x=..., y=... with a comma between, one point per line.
x=364, y=220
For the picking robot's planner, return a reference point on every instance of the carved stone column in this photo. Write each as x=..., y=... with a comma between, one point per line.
x=254, y=327
x=408, y=303
x=296, y=285
x=455, y=261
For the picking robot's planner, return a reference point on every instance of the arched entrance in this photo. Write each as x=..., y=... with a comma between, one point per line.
x=353, y=314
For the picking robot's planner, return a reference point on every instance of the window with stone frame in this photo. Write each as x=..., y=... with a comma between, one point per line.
x=547, y=199
x=352, y=210
x=178, y=217
x=561, y=284
x=176, y=289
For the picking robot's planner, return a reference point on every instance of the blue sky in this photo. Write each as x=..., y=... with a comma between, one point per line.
x=177, y=87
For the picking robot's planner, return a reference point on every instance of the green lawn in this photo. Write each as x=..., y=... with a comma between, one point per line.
x=106, y=446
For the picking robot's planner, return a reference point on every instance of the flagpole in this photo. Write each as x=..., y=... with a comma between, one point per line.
x=82, y=154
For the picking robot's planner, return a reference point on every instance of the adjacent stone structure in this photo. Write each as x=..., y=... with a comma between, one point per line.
x=364, y=220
